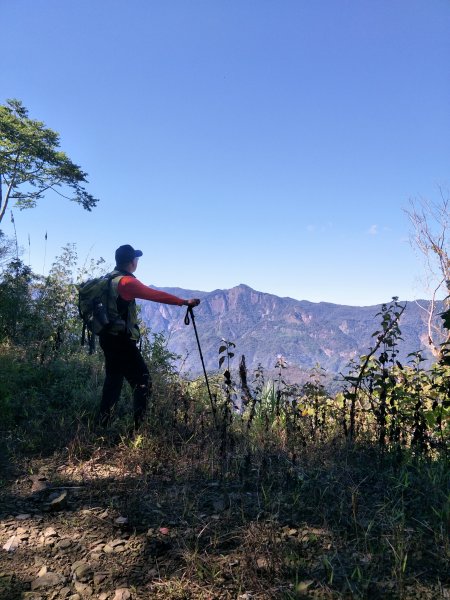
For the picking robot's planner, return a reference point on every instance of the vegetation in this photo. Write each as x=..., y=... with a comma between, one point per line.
x=274, y=491
x=430, y=224
x=31, y=162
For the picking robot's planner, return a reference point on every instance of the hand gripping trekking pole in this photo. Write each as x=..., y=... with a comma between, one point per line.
x=190, y=315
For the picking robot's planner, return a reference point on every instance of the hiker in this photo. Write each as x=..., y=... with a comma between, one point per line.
x=123, y=358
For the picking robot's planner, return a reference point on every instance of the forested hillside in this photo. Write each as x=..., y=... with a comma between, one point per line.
x=264, y=326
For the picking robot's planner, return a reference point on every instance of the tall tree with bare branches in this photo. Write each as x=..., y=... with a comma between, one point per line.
x=430, y=222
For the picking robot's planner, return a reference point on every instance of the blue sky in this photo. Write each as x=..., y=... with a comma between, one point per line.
x=272, y=143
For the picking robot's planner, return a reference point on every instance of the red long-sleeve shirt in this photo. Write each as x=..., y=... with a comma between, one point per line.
x=130, y=288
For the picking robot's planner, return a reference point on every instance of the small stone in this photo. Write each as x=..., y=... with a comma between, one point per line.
x=49, y=532
x=121, y=521
x=83, y=588
x=103, y=596
x=83, y=572
x=23, y=517
x=302, y=587
x=59, y=502
x=117, y=542
x=122, y=594
x=43, y=570
x=46, y=581
x=49, y=542
x=64, y=544
x=12, y=544
x=39, y=485
x=99, y=578
x=262, y=563
x=108, y=549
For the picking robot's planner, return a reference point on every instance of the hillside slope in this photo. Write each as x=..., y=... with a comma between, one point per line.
x=264, y=326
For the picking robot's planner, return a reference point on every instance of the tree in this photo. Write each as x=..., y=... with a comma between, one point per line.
x=16, y=302
x=31, y=162
x=431, y=222
x=7, y=250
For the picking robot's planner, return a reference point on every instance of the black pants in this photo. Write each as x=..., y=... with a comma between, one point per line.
x=123, y=360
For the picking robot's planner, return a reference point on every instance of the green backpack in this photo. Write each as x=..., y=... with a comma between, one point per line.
x=94, y=307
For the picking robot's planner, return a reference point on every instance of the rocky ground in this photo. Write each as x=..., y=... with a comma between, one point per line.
x=93, y=530
x=111, y=527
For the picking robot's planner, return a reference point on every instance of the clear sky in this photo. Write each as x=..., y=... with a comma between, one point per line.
x=272, y=143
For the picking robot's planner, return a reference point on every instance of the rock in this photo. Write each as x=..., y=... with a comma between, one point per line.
x=46, y=581
x=12, y=544
x=76, y=564
x=23, y=517
x=122, y=594
x=64, y=544
x=117, y=542
x=39, y=485
x=99, y=578
x=83, y=572
x=262, y=563
x=302, y=587
x=59, y=502
x=83, y=588
x=43, y=571
x=50, y=532
x=121, y=521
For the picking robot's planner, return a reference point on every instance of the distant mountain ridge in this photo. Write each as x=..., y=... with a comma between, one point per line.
x=264, y=326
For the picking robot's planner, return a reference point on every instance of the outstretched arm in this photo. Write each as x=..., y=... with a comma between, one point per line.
x=130, y=288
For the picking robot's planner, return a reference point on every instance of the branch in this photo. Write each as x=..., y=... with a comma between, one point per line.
x=5, y=203
x=381, y=338
x=10, y=186
x=59, y=193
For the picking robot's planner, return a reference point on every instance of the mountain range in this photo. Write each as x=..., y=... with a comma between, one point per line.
x=264, y=326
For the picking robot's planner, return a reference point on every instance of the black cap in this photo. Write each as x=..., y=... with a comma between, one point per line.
x=125, y=254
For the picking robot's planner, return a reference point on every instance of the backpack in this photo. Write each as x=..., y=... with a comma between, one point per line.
x=94, y=307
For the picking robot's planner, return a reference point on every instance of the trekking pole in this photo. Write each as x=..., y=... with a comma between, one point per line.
x=190, y=313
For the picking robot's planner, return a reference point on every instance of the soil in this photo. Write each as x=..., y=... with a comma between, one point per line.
x=106, y=528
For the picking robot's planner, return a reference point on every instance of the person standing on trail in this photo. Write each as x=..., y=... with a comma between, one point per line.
x=123, y=358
